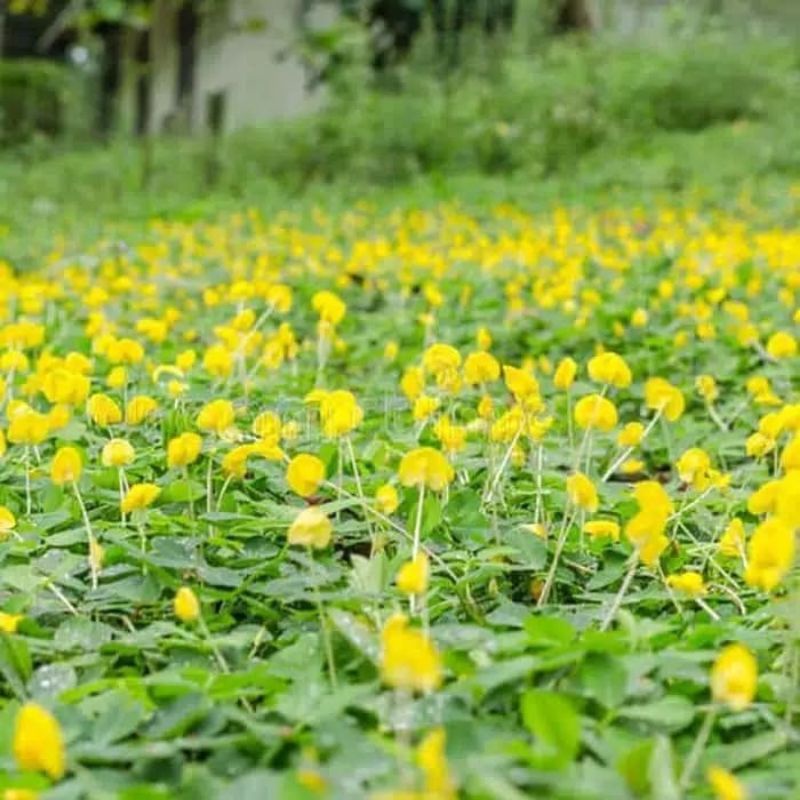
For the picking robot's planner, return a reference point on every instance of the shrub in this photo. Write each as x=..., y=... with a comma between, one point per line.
x=37, y=97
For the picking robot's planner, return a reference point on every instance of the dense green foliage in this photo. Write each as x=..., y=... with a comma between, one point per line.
x=38, y=98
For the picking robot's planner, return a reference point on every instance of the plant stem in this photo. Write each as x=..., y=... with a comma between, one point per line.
x=27, y=482
x=121, y=481
x=191, y=493
x=326, y=635
x=626, y=582
x=89, y=534
x=502, y=468
x=223, y=490
x=628, y=450
x=539, y=467
x=418, y=522
x=551, y=574
x=697, y=748
x=360, y=490
x=210, y=490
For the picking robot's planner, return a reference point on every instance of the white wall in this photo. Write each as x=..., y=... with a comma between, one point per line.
x=246, y=49
x=255, y=67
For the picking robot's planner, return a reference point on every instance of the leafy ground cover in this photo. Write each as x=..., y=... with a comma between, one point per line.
x=412, y=503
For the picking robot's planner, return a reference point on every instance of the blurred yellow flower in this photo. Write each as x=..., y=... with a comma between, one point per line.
x=304, y=474
x=37, y=743
x=311, y=528
x=734, y=676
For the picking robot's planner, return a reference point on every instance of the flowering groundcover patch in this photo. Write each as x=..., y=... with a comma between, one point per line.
x=419, y=504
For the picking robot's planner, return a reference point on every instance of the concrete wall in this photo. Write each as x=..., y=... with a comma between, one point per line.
x=256, y=69
x=245, y=53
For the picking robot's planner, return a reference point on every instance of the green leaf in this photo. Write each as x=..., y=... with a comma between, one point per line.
x=661, y=771
x=670, y=713
x=546, y=631
x=604, y=678
x=556, y=726
x=15, y=663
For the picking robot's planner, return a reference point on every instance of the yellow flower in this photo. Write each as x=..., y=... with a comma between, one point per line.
x=234, y=462
x=645, y=531
x=339, y=413
x=311, y=528
x=758, y=445
x=733, y=539
x=117, y=453
x=602, y=529
x=610, y=368
x=582, y=492
x=427, y=467
x=565, y=374
x=734, y=677
x=432, y=761
x=27, y=427
x=7, y=522
x=790, y=456
x=186, y=605
x=522, y=385
x=139, y=496
x=653, y=498
x=413, y=575
x=329, y=306
x=770, y=554
x=63, y=386
x=661, y=395
x=184, y=450
x=483, y=338
x=218, y=361
x=58, y=417
x=409, y=659
x=694, y=467
x=96, y=555
x=9, y=622
x=787, y=504
x=424, y=407
x=390, y=351
x=66, y=467
x=452, y=437
x=537, y=529
x=139, y=408
x=216, y=417
x=595, y=411
x=103, y=410
x=268, y=449
x=725, y=785
x=485, y=407
x=304, y=474
x=639, y=318
x=440, y=358
x=782, y=345
x=20, y=794
x=117, y=378
x=386, y=499
x=689, y=583
x=185, y=360
x=267, y=425
x=632, y=466
x=481, y=367
x=412, y=383
x=38, y=744
x=765, y=498
x=124, y=351
x=706, y=387
x=631, y=435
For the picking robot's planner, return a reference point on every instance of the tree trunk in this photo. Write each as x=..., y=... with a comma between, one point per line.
x=572, y=16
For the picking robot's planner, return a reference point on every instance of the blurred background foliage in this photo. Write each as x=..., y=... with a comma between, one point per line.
x=599, y=94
